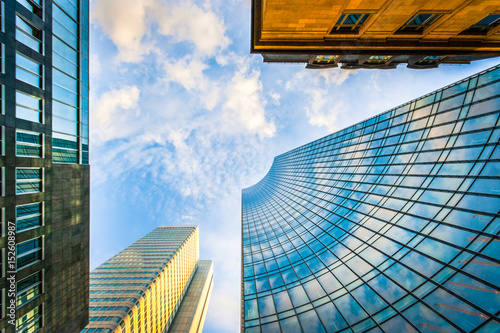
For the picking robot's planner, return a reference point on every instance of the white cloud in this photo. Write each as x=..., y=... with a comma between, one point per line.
x=323, y=106
x=127, y=23
x=190, y=22
x=245, y=101
x=188, y=72
x=320, y=112
x=275, y=97
x=114, y=114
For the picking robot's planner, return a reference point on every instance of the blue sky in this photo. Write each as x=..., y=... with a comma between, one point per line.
x=183, y=118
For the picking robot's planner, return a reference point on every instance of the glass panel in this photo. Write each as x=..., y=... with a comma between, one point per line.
x=290, y=325
x=368, y=299
x=28, y=34
x=311, y=321
x=266, y=306
x=28, y=216
x=298, y=296
x=350, y=309
x=425, y=319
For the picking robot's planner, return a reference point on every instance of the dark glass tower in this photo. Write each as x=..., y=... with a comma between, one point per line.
x=390, y=225
x=44, y=199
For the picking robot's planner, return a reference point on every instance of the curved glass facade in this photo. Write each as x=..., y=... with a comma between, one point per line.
x=390, y=225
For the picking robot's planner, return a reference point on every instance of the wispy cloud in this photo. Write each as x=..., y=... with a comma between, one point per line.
x=113, y=114
x=246, y=102
x=126, y=23
x=323, y=107
x=201, y=26
x=129, y=22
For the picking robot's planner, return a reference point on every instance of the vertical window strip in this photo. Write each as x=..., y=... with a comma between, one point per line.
x=66, y=83
x=2, y=16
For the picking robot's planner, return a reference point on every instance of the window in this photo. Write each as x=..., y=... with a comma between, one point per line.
x=2, y=140
x=429, y=60
x=29, y=71
x=29, y=216
x=482, y=27
x=377, y=59
x=28, y=144
x=418, y=23
x=29, y=107
x=2, y=94
x=64, y=148
x=2, y=178
x=349, y=23
x=28, y=180
x=325, y=59
x=34, y=6
x=2, y=16
x=29, y=288
x=30, y=322
x=28, y=34
x=29, y=252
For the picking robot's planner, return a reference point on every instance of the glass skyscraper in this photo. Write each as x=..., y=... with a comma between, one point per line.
x=155, y=285
x=390, y=225
x=44, y=176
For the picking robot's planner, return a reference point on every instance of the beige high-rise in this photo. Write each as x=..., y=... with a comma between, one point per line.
x=148, y=285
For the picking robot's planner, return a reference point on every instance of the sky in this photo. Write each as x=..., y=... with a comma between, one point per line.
x=183, y=117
